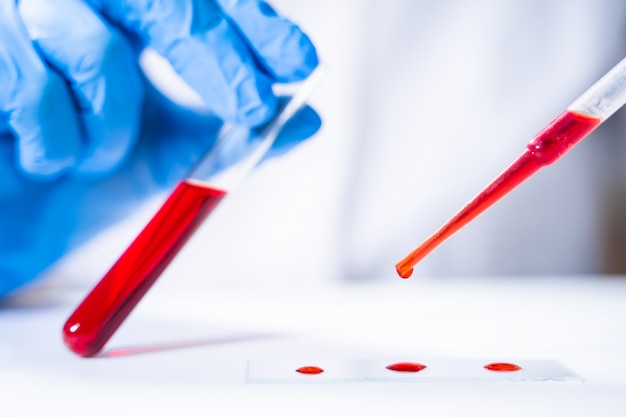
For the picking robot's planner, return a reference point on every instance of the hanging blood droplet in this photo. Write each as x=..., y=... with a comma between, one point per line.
x=503, y=367
x=311, y=370
x=406, y=367
x=404, y=272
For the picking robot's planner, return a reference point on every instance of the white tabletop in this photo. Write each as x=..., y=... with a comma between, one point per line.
x=188, y=352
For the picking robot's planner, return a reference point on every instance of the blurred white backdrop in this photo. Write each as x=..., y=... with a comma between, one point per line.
x=423, y=104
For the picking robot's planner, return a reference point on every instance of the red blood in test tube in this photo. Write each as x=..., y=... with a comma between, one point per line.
x=503, y=367
x=310, y=370
x=113, y=298
x=406, y=367
x=546, y=147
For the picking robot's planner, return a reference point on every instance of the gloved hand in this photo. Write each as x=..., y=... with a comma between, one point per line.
x=83, y=136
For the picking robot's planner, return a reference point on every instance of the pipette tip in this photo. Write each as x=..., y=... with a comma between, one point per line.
x=403, y=271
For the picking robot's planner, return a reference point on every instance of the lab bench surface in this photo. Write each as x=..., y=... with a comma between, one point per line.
x=188, y=352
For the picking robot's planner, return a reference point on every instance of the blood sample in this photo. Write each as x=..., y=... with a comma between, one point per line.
x=503, y=367
x=235, y=153
x=406, y=367
x=110, y=302
x=310, y=370
x=546, y=147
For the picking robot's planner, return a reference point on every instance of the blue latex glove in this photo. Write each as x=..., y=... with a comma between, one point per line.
x=84, y=138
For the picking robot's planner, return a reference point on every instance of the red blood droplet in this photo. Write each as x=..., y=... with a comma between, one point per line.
x=404, y=272
x=503, y=367
x=312, y=370
x=406, y=367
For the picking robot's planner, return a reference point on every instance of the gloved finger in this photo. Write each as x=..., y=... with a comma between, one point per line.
x=239, y=141
x=102, y=69
x=194, y=135
x=304, y=124
x=35, y=102
x=205, y=49
x=10, y=177
x=172, y=140
x=282, y=48
x=4, y=125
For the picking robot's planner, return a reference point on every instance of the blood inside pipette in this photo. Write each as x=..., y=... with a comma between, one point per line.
x=109, y=303
x=547, y=146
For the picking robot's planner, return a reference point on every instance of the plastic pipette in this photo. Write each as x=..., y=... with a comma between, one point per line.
x=586, y=113
x=108, y=304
